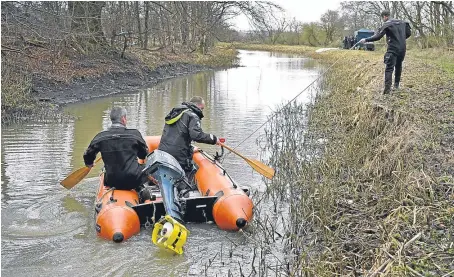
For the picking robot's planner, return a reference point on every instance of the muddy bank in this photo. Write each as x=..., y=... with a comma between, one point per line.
x=35, y=86
x=45, y=96
x=85, y=88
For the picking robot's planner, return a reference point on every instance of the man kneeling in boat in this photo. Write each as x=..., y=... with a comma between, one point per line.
x=182, y=126
x=120, y=147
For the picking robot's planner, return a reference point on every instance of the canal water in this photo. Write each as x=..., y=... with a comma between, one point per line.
x=47, y=230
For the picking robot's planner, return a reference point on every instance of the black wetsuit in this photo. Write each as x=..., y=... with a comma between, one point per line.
x=397, y=32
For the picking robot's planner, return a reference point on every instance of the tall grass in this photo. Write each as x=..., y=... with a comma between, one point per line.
x=16, y=96
x=357, y=170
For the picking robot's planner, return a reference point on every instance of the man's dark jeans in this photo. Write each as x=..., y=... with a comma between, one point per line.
x=392, y=61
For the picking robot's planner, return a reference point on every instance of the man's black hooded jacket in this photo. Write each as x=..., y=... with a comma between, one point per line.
x=183, y=126
x=397, y=32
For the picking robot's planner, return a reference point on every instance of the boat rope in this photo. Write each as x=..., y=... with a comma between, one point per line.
x=105, y=193
x=206, y=155
x=293, y=99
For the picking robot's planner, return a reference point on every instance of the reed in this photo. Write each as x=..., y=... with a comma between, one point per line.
x=367, y=178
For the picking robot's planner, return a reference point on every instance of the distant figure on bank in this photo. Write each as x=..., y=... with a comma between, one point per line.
x=397, y=32
x=345, y=41
x=182, y=126
x=120, y=147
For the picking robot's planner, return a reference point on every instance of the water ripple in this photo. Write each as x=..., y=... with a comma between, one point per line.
x=49, y=231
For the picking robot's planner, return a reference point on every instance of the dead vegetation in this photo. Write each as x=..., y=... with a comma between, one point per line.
x=368, y=178
x=22, y=75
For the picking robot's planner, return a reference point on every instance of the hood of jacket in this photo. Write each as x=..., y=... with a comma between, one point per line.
x=179, y=110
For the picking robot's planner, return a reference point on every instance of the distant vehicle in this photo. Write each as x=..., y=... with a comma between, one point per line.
x=364, y=33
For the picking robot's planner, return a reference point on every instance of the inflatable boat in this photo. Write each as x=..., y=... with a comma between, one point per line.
x=119, y=215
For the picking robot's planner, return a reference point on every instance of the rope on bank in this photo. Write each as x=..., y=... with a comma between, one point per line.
x=293, y=99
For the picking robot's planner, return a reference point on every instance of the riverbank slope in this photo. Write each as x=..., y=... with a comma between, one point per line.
x=35, y=84
x=374, y=190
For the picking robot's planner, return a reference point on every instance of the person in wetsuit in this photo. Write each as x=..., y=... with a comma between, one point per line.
x=120, y=147
x=397, y=32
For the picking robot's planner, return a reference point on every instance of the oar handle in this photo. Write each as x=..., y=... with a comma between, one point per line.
x=97, y=160
x=231, y=150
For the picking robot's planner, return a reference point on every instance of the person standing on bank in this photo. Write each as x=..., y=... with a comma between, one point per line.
x=120, y=147
x=397, y=32
x=182, y=126
x=345, y=41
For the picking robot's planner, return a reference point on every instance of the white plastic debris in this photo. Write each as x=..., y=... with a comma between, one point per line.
x=325, y=49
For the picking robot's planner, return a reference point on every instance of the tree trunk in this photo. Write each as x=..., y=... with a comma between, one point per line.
x=185, y=23
x=447, y=24
x=147, y=14
x=139, y=25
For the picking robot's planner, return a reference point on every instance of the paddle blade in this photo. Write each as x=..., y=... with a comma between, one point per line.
x=261, y=168
x=75, y=177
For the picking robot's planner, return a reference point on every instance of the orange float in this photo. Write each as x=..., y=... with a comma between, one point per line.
x=119, y=215
x=115, y=218
x=232, y=209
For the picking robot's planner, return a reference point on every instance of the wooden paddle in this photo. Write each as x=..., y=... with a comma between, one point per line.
x=261, y=168
x=77, y=176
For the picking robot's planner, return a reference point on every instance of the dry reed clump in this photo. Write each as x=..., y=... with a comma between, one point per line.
x=363, y=200
x=18, y=100
x=220, y=56
x=16, y=96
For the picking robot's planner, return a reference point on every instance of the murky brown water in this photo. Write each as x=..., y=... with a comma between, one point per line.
x=49, y=231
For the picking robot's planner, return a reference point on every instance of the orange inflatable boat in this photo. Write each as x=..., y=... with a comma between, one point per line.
x=115, y=218
x=120, y=216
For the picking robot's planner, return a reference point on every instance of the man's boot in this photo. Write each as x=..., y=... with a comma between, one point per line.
x=387, y=90
x=396, y=86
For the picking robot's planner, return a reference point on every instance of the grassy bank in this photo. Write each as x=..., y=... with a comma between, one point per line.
x=372, y=178
x=31, y=81
x=222, y=55
x=303, y=50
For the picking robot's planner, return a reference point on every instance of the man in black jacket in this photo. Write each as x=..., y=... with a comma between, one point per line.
x=397, y=32
x=182, y=126
x=120, y=147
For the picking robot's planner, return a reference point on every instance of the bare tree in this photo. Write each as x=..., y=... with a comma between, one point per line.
x=146, y=31
x=331, y=24
x=432, y=21
x=139, y=24
x=86, y=22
